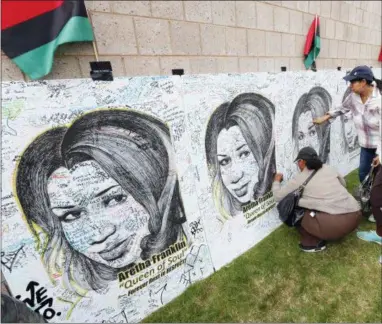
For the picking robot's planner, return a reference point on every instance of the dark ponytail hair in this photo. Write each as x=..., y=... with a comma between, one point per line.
x=378, y=82
x=314, y=163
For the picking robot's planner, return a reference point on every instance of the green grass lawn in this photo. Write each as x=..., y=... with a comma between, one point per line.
x=276, y=282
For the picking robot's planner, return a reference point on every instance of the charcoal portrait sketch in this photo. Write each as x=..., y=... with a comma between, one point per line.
x=311, y=105
x=240, y=150
x=349, y=132
x=104, y=193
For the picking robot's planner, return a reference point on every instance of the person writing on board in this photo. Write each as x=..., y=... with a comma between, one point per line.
x=330, y=211
x=365, y=104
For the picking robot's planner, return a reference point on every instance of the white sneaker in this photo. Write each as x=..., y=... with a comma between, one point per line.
x=380, y=259
x=371, y=218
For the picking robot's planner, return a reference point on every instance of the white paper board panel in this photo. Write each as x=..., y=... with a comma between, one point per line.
x=308, y=95
x=117, y=196
x=231, y=123
x=94, y=225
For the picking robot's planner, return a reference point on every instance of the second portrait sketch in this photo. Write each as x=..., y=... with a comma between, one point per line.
x=240, y=150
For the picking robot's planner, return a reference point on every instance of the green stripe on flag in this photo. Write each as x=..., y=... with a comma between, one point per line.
x=38, y=62
x=312, y=56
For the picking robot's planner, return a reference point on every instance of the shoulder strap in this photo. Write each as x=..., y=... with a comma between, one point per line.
x=302, y=187
x=308, y=179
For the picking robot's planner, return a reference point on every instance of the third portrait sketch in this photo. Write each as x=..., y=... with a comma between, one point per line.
x=349, y=132
x=313, y=104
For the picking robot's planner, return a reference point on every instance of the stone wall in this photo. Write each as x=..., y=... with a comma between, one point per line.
x=154, y=37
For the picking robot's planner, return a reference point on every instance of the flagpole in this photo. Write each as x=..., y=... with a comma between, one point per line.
x=314, y=39
x=26, y=79
x=93, y=42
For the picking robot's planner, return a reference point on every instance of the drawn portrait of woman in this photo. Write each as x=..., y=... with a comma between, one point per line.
x=104, y=192
x=311, y=105
x=240, y=150
x=349, y=132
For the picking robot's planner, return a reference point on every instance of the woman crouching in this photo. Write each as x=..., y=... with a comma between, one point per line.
x=330, y=211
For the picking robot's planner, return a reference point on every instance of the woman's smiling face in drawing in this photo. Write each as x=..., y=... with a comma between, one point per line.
x=349, y=129
x=307, y=134
x=238, y=167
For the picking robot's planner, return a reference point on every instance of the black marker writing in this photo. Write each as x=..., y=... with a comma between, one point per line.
x=8, y=259
x=196, y=227
x=38, y=300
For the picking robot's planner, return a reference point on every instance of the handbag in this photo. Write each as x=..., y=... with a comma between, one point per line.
x=365, y=190
x=288, y=209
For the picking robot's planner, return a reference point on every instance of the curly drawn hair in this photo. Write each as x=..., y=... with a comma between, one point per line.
x=142, y=164
x=254, y=114
x=318, y=101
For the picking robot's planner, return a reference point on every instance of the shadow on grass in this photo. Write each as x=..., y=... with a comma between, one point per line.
x=275, y=282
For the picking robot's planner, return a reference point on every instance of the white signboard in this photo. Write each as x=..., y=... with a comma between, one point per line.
x=116, y=196
x=98, y=196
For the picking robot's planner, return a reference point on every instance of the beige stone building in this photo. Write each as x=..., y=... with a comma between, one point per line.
x=154, y=37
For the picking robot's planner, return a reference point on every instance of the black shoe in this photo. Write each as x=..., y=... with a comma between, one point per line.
x=318, y=248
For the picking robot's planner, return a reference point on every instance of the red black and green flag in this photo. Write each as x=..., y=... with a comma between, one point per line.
x=32, y=30
x=312, y=44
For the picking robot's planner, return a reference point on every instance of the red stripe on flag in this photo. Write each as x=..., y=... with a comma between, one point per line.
x=14, y=12
x=310, y=37
x=380, y=55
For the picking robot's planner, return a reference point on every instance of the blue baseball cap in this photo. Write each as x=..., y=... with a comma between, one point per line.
x=360, y=72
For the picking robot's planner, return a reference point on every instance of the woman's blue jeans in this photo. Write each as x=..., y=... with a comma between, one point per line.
x=366, y=158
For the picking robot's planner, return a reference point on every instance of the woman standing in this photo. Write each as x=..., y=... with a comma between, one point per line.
x=365, y=104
